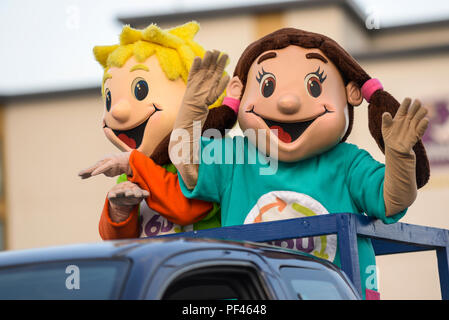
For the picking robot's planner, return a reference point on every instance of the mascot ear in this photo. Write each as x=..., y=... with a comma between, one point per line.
x=354, y=94
x=234, y=88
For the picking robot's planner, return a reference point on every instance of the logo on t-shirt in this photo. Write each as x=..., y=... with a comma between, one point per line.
x=281, y=205
x=153, y=224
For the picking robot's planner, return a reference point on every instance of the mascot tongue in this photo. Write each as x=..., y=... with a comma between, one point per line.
x=281, y=134
x=130, y=142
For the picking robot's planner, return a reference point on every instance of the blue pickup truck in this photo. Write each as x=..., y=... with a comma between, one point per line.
x=171, y=268
x=203, y=265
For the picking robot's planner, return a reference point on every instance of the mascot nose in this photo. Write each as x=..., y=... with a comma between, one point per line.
x=288, y=103
x=121, y=111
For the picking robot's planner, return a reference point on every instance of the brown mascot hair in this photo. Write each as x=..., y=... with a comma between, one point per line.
x=380, y=102
x=220, y=118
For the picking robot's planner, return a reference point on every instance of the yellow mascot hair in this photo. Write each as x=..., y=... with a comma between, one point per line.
x=175, y=50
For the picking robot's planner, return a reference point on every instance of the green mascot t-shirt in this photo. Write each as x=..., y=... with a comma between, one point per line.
x=251, y=189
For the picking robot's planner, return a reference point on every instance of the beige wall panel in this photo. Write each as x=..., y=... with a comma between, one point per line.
x=230, y=35
x=267, y=23
x=325, y=20
x=414, y=39
x=331, y=21
x=48, y=142
x=409, y=276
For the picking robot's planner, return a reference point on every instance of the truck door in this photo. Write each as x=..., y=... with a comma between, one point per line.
x=214, y=274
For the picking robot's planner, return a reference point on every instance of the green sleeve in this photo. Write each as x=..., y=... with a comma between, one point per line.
x=214, y=172
x=122, y=178
x=212, y=220
x=365, y=180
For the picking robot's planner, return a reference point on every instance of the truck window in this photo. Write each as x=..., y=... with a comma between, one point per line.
x=315, y=284
x=95, y=279
x=217, y=283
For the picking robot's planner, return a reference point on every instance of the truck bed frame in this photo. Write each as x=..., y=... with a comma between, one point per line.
x=386, y=239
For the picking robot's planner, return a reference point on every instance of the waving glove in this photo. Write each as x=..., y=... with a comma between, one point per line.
x=400, y=134
x=204, y=85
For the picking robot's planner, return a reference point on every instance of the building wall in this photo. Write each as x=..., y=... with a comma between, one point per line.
x=47, y=141
x=331, y=21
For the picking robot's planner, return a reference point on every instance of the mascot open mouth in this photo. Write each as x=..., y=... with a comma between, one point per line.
x=288, y=132
x=132, y=137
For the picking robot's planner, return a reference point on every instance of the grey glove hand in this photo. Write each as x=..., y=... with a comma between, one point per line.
x=403, y=131
x=110, y=166
x=122, y=198
x=400, y=134
x=205, y=84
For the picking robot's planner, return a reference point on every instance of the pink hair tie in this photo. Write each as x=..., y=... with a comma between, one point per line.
x=369, y=87
x=232, y=103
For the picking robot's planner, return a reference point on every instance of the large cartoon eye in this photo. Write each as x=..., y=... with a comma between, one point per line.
x=313, y=83
x=267, y=84
x=107, y=94
x=139, y=88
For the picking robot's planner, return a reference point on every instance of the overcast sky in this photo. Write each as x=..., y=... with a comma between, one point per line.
x=46, y=45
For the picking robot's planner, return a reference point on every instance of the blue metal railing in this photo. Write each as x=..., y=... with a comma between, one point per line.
x=386, y=239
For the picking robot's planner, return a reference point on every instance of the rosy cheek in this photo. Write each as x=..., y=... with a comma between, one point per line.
x=252, y=94
x=242, y=116
x=246, y=120
x=328, y=102
x=260, y=103
x=336, y=97
x=247, y=102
